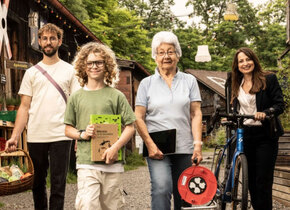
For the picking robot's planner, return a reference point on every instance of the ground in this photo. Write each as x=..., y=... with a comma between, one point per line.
x=136, y=185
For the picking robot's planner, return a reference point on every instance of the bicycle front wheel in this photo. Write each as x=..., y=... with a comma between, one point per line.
x=240, y=189
x=220, y=173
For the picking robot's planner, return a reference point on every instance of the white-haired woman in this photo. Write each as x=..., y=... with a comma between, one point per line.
x=169, y=99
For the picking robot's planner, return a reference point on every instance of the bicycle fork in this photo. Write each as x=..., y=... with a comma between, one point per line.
x=227, y=196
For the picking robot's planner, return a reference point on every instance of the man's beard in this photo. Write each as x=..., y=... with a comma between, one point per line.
x=50, y=53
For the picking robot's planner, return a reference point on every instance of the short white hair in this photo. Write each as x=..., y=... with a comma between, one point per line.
x=165, y=37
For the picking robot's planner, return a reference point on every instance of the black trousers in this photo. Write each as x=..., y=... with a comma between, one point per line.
x=261, y=152
x=56, y=155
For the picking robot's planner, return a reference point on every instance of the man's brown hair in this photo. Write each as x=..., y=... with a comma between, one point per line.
x=49, y=27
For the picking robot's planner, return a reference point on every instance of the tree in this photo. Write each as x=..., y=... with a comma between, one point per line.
x=77, y=8
x=224, y=37
x=271, y=42
x=119, y=28
x=211, y=12
x=273, y=12
x=270, y=45
x=156, y=14
x=188, y=39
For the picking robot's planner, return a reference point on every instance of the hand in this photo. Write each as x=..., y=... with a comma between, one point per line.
x=260, y=116
x=155, y=153
x=89, y=132
x=110, y=155
x=197, y=154
x=11, y=145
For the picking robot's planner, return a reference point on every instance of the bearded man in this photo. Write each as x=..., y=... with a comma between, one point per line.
x=42, y=109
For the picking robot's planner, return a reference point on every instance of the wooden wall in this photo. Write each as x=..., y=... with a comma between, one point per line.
x=281, y=186
x=19, y=34
x=210, y=100
x=125, y=85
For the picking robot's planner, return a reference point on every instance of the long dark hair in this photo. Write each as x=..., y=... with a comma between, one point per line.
x=258, y=75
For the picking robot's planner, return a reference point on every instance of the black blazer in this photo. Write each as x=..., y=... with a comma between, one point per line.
x=272, y=96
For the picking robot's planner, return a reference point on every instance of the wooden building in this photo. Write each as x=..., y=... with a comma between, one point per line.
x=20, y=21
x=212, y=90
x=20, y=46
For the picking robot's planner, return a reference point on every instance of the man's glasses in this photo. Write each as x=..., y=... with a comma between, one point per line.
x=51, y=39
x=163, y=53
x=98, y=64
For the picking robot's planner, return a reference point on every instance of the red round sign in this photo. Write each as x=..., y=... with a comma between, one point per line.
x=197, y=185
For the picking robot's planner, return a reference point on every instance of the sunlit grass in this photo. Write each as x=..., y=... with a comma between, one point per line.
x=134, y=160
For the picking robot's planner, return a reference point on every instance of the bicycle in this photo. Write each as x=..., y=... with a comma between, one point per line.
x=230, y=163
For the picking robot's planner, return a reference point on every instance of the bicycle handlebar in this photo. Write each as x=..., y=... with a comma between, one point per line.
x=235, y=117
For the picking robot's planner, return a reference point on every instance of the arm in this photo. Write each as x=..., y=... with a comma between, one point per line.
x=111, y=154
x=20, y=123
x=153, y=150
x=74, y=133
x=275, y=96
x=196, y=126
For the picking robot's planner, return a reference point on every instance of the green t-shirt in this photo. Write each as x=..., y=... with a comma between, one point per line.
x=83, y=103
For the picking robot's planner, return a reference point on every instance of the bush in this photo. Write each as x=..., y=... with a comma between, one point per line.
x=217, y=138
x=134, y=160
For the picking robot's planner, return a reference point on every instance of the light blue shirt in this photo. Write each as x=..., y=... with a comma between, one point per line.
x=169, y=108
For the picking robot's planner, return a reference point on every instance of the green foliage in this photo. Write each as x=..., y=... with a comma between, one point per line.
x=77, y=8
x=120, y=29
x=273, y=12
x=270, y=45
x=128, y=26
x=133, y=161
x=284, y=79
x=209, y=11
x=217, y=138
x=156, y=14
x=189, y=39
x=71, y=178
x=11, y=101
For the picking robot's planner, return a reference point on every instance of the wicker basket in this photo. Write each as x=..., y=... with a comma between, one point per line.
x=24, y=184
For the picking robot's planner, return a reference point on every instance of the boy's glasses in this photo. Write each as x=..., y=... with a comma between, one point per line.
x=98, y=64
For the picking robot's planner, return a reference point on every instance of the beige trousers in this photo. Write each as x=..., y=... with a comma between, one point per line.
x=99, y=190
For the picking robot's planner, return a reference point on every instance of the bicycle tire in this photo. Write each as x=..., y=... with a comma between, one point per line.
x=220, y=177
x=240, y=189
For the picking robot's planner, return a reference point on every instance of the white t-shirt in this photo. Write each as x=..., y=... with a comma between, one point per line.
x=46, y=113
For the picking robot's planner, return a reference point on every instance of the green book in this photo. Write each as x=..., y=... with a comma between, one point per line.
x=109, y=119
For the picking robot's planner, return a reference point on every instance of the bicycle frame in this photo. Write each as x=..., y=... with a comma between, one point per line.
x=239, y=150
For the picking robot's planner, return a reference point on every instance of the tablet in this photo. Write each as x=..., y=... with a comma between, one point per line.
x=164, y=140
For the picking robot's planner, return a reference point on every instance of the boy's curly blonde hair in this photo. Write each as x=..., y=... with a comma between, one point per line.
x=111, y=68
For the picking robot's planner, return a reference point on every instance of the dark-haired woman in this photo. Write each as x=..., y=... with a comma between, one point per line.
x=254, y=92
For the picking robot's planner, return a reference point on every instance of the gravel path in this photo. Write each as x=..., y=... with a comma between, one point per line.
x=137, y=198
x=136, y=184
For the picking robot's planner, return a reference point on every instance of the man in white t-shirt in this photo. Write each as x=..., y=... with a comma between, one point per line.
x=42, y=109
